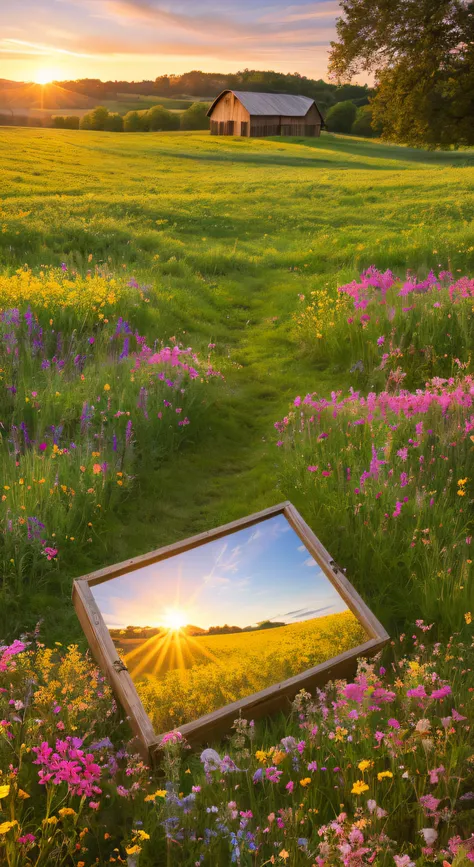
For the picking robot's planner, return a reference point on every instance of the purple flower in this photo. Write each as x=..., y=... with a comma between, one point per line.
x=380, y=341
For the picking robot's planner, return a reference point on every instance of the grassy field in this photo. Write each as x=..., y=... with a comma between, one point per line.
x=227, y=233
x=180, y=678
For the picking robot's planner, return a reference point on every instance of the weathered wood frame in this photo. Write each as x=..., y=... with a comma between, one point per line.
x=276, y=697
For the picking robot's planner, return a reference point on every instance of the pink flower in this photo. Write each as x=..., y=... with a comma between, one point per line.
x=26, y=838
x=50, y=553
x=393, y=723
x=42, y=447
x=312, y=468
x=439, y=694
x=417, y=692
x=290, y=786
x=380, y=341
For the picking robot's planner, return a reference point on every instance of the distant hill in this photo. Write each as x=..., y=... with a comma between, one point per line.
x=17, y=95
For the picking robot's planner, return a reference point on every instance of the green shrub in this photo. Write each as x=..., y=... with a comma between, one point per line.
x=341, y=116
x=114, y=123
x=132, y=122
x=364, y=123
x=195, y=117
x=159, y=118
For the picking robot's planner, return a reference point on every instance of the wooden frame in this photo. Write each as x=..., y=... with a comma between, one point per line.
x=272, y=698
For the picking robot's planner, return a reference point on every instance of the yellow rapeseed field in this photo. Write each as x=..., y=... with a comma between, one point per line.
x=225, y=668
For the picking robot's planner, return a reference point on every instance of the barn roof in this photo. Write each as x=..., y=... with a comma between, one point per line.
x=271, y=103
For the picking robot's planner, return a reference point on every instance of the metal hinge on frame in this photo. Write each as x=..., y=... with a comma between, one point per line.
x=335, y=567
x=119, y=665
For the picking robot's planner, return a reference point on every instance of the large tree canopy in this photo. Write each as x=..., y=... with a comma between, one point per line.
x=422, y=53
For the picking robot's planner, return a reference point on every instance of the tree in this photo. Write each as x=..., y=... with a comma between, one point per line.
x=341, y=116
x=158, y=118
x=99, y=116
x=195, y=117
x=364, y=124
x=114, y=123
x=86, y=121
x=422, y=53
x=132, y=122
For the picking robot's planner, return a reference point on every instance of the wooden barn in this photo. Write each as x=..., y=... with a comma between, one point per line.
x=238, y=112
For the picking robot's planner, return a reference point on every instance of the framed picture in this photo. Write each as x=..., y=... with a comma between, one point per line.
x=233, y=621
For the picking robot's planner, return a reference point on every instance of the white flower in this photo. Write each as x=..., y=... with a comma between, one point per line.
x=371, y=804
x=430, y=835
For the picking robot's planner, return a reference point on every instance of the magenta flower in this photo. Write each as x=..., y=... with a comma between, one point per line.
x=380, y=340
x=417, y=692
x=439, y=694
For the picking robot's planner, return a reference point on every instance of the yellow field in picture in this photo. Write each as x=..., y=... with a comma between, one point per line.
x=181, y=677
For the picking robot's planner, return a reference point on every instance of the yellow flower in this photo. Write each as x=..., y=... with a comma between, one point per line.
x=53, y=820
x=305, y=782
x=141, y=835
x=284, y=854
x=261, y=756
x=5, y=827
x=160, y=793
x=462, y=482
x=359, y=787
x=468, y=617
x=67, y=811
x=23, y=795
x=364, y=765
x=383, y=774
x=106, y=387
x=461, y=493
x=133, y=850
x=4, y=791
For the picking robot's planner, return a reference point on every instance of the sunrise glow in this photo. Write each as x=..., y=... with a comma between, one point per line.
x=175, y=620
x=46, y=76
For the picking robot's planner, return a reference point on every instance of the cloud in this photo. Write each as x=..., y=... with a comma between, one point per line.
x=215, y=580
x=301, y=548
x=310, y=562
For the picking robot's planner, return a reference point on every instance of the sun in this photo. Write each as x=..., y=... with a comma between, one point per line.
x=45, y=76
x=175, y=620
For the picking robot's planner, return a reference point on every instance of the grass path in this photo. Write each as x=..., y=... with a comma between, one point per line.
x=228, y=232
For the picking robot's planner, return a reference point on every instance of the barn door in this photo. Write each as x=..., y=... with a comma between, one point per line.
x=244, y=127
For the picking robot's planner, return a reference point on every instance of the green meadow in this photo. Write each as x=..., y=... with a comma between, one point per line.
x=227, y=233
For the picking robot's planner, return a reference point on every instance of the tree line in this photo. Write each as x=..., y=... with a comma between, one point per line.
x=210, y=84
x=156, y=118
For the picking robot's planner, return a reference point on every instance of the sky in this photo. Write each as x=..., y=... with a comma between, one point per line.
x=141, y=39
x=259, y=573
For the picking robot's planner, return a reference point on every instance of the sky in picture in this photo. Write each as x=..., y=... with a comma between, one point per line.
x=259, y=573
x=136, y=39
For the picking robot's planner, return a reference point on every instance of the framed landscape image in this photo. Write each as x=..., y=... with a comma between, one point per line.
x=235, y=620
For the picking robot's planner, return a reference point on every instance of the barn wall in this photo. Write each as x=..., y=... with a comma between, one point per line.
x=229, y=109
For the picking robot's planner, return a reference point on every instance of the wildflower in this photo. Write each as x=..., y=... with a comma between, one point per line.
x=380, y=340
x=439, y=694
x=430, y=835
x=384, y=775
x=364, y=765
x=26, y=838
x=5, y=827
x=468, y=617
x=4, y=791
x=133, y=850
x=96, y=469
x=290, y=786
x=66, y=811
x=106, y=387
x=359, y=787
x=305, y=782
x=261, y=756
